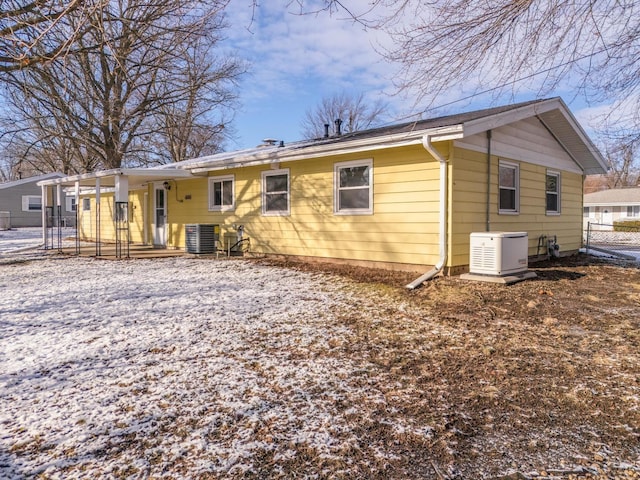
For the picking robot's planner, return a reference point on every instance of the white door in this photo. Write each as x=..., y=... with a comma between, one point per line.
x=160, y=216
x=607, y=216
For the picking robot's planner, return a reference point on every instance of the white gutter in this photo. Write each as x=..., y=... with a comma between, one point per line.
x=426, y=142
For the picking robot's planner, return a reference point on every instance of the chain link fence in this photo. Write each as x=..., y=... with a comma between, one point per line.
x=606, y=238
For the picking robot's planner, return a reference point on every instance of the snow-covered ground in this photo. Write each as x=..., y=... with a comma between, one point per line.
x=172, y=367
x=188, y=368
x=20, y=239
x=610, y=252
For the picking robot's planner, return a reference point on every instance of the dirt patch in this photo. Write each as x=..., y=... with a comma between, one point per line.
x=540, y=378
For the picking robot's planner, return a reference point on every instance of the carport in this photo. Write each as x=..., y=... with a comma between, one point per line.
x=117, y=181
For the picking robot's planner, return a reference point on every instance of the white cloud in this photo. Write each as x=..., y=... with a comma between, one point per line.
x=290, y=52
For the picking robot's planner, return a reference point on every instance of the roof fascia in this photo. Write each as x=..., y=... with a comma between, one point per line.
x=611, y=204
x=147, y=172
x=24, y=181
x=498, y=120
x=582, y=134
x=536, y=110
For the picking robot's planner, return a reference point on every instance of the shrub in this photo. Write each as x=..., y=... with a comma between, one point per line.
x=627, y=226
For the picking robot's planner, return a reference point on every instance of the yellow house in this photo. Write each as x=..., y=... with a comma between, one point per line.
x=406, y=196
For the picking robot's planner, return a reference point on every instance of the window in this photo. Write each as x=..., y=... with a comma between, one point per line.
x=86, y=204
x=31, y=203
x=275, y=192
x=70, y=204
x=509, y=186
x=553, y=193
x=221, y=194
x=633, y=211
x=353, y=188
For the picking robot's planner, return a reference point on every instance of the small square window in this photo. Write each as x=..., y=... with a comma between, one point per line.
x=86, y=204
x=553, y=193
x=353, y=188
x=509, y=188
x=275, y=192
x=221, y=193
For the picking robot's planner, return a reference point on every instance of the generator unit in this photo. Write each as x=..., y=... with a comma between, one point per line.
x=201, y=238
x=498, y=253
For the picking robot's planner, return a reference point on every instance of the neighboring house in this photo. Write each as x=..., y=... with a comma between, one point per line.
x=22, y=199
x=405, y=196
x=608, y=206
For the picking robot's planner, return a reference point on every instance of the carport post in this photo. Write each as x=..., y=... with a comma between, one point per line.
x=58, y=213
x=77, y=200
x=122, y=188
x=44, y=215
x=98, y=252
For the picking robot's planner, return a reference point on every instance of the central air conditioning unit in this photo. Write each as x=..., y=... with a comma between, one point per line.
x=201, y=238
x=499, y=253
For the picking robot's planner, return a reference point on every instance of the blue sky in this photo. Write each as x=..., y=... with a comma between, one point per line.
x=296, y=60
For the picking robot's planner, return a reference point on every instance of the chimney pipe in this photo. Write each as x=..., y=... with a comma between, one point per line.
x=338, y=123
x=326, y=130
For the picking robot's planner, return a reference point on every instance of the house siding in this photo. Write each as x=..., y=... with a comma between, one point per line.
x=402, y=229
x=11, y=201
x=469, y=199
x=138, y=217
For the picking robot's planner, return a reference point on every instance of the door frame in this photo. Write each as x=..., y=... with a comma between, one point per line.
x=159, y=237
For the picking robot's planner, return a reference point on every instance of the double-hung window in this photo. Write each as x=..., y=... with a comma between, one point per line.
x=553, y=193
x=221, y=193
x=275, y=192
x=633, y=211
x=509, y=188
x=70, y=204
x=31, y=203
x=353, y=187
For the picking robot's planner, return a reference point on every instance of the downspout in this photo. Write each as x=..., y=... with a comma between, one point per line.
x=488, y=181
x=426, y=143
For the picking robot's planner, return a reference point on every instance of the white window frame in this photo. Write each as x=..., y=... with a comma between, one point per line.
x=516, y=168
x=26, y=203
x=337, y=189
x=553, y=173
x=222, y=207
x=86, y=204
x=70, y=203
x=633, y=211
x=273, y=173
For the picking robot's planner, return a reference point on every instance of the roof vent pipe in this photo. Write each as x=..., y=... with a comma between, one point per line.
x=338, y=124
x=326, y=130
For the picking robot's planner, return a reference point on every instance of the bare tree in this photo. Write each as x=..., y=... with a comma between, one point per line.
x=621, y=162
x=196, y=124
x=30, y=32
x=503, y=45
x=105, y=100
x=354, y=112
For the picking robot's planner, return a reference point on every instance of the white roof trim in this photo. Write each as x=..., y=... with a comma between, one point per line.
x=611, y=204
x=37, y=178
x=511, y=116
x=150, y=173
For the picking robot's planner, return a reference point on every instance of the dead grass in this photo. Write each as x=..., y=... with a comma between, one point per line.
x=537, y=376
